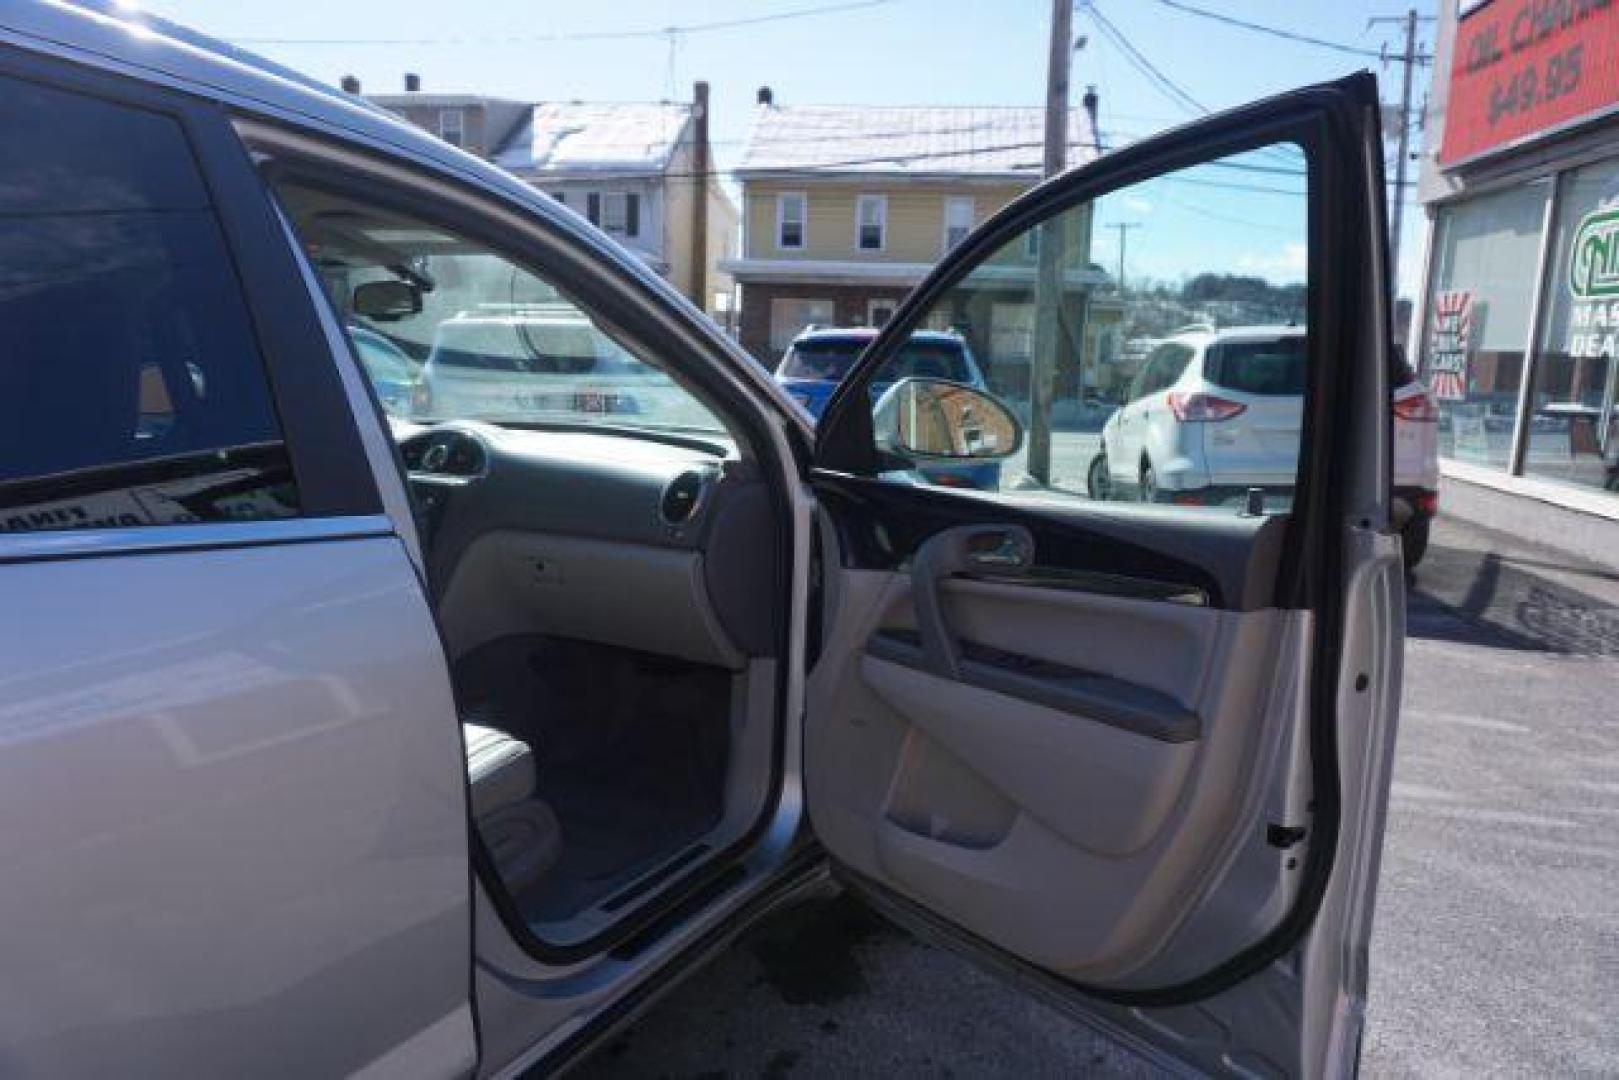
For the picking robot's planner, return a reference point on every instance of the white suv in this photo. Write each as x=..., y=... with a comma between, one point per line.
x=1211, y=414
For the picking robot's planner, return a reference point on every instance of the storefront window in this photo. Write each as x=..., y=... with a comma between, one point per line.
x=1478, y=318
x=1574, y=429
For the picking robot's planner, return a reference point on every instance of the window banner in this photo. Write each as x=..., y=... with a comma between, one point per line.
x=1449, y=345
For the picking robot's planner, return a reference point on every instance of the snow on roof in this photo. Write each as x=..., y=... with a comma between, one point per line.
x=917, y=140
x=629, y=137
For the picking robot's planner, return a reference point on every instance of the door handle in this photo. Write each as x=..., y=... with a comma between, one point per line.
x=967, y=549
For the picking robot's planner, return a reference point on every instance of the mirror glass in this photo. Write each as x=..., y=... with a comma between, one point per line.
x=387, y=300
x=933, y=418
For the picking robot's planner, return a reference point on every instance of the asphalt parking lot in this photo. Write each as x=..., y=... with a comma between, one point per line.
x=1496, y=949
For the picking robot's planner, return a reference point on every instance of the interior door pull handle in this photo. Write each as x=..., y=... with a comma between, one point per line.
x=1003, y=549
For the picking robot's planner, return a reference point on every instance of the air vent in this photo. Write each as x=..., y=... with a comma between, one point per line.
x=682, y=497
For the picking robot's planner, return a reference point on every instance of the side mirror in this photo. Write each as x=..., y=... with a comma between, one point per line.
x=936, y=420
x=386, y=301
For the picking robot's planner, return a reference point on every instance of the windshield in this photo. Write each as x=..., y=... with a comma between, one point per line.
x=1268, y=368
x=830, y=360
x=472, y=334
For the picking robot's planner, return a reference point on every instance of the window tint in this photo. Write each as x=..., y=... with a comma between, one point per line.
x=1119, y=299
x=1274, y=368
x=132, y=391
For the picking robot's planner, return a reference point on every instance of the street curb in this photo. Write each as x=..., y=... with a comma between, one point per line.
x=1524, y=514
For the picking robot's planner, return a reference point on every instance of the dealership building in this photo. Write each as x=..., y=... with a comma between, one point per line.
x=1517, y=321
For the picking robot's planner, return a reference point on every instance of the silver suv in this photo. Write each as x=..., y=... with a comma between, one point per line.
x=334, y=742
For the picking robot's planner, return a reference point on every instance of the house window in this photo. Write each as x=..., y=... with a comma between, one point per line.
x=958, y=220
x=791, y=210
x=871, y=218
x=621, y=213
x=878, y=312
x=617, y=213
x=452, y=126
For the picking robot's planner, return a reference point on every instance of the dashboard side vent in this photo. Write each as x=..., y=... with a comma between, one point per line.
x=682, y=497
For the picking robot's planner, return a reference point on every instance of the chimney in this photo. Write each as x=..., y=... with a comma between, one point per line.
x=413, y=82
x=699, y=203
x=350, y=84
x=1089, y=102
x=767, y=96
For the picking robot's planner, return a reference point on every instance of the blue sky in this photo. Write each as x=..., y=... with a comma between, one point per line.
x=894, y=52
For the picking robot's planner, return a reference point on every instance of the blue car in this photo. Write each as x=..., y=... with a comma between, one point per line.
x=391, y=370
x=818, y=359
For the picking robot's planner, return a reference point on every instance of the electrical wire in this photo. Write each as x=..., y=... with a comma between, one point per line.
x=1273, y=31
x=586, y=35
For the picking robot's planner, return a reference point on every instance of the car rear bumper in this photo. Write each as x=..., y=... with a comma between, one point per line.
x=1414, y=502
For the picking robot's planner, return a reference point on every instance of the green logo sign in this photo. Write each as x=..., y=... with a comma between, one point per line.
x=1593, y=266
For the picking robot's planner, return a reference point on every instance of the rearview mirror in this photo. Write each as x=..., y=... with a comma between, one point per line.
x=386, y=301
x=933, y=419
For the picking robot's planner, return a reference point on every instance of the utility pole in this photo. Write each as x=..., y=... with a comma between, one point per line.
x=701, y=165
x=1048, y=286
x=1411, y=57
x=1123, y=227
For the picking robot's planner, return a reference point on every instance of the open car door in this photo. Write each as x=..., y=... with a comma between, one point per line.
x=1135, y=753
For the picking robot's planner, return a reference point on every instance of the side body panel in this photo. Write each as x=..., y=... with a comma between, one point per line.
x=236, y=839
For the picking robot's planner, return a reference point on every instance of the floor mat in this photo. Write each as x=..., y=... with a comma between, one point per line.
x=630, y=749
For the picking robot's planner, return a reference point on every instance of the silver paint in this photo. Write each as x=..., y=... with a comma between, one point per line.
x=235, y=807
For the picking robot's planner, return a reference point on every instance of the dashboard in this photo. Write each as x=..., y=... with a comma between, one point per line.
x=663, y=546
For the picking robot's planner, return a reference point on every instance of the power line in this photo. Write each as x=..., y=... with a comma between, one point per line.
x=1273, y=31
x=663, y=32
x=1146, y=67
x=1140, y=62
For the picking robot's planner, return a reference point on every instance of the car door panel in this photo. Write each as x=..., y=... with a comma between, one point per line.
x=969, y=793
x=247, y=817
x=1122, y=776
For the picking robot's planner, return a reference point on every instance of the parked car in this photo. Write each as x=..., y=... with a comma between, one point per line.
x=391, y=370
x=528, y=361
x=1217, y=412
x=820, y=358
x=442, y=748
x=1210, y=415
x=1416, y=457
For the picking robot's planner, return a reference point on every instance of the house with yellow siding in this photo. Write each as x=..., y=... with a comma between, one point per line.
x=847, y=208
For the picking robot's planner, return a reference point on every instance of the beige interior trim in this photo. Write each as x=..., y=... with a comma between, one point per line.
x=1071, y=843
x=629, y=595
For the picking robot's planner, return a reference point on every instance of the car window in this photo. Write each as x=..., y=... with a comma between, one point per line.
x=1164, y=366
x=132, y=383
x=830, y=360
x=826, y=360
x=1274, y=368
x=1122, y=298
x=470, y=333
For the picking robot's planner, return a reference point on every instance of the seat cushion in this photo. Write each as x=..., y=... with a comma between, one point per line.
x=500, y=770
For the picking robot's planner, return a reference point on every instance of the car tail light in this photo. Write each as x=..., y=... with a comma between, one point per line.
x=1202, y=408
x=952, y=480
x=1418, y=408
x=1427, y=502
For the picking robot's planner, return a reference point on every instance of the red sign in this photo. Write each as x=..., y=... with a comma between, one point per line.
x=1450, y=344
x=1523, y=66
